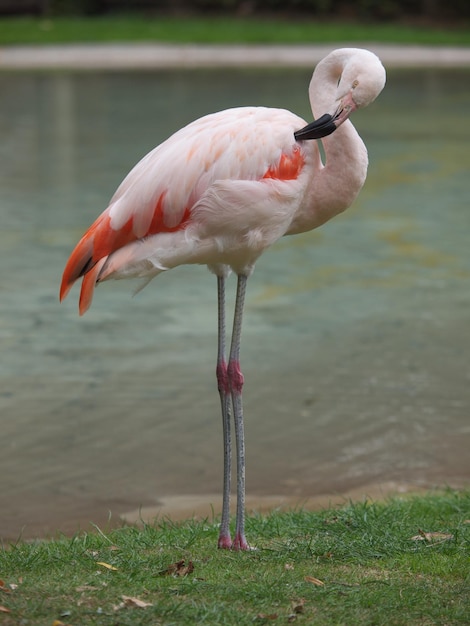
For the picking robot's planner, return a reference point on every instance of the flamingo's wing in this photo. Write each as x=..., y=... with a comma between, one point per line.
x=158, y=194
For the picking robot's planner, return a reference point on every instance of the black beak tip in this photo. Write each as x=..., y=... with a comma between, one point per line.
x=321, y=127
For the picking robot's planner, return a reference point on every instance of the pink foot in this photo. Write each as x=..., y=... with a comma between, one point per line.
x=240, y=543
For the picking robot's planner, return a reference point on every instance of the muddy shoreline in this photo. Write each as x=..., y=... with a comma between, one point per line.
x=86, y=516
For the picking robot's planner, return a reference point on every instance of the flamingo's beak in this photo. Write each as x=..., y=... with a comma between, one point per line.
x=327, y=124
x=321, y=127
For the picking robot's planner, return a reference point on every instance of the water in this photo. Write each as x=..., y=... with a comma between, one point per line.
x=356, y=347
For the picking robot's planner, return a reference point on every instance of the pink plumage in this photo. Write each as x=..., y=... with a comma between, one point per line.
x=168, y=190
x=222, y=190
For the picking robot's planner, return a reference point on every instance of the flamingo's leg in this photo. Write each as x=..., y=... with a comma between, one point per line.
x=235, y=378
x=225, y=540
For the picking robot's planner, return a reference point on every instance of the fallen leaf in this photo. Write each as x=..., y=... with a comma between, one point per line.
x=298, y=606
x=178, y=569
x=314, y=581
x=131, y=602
x=7, y=588
x=264, y=616
x=107, y=565
x=3, y=609
x=432, y=536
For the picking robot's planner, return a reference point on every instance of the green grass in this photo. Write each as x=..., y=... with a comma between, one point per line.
x=227, y=30
x=355, y=565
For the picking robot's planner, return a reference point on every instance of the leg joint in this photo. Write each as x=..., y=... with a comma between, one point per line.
x=235, y=377
x=223, y=384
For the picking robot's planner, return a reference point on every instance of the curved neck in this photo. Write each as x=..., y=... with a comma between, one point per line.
x=345, y=170
x=322, y=88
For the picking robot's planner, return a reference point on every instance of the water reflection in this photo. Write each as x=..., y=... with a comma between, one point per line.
x=356, y=349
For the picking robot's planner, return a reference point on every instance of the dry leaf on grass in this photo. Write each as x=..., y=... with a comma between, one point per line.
x=107, y=565
x=298, y=606
x=178, y=569
x=266, y=616
x=3, y=609
x=131, y=602
x=432, y=537
x=7, y=588
x=314, y=581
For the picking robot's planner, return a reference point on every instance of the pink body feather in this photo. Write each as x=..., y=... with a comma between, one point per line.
x=218, y=179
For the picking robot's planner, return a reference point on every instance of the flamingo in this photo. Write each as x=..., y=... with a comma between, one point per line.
x=219, y=192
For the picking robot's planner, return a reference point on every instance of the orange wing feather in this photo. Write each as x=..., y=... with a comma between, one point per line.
x=289, y=166
x=101, y=240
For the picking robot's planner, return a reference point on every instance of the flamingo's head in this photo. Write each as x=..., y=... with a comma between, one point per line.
x=359, y=77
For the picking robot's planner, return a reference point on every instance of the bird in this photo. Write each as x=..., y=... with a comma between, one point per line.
x=219, y=192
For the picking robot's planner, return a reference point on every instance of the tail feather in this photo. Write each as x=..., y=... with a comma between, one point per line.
x=88, y=286
x=79, y=263
x=96, y=244
x=102, y=239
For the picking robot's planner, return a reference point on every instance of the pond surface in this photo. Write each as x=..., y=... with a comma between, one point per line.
x=356, y=345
